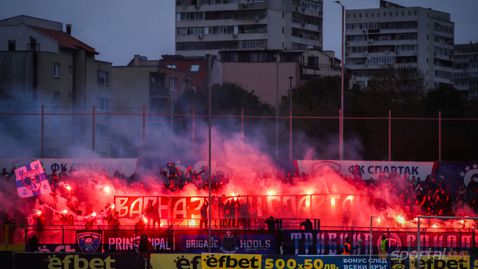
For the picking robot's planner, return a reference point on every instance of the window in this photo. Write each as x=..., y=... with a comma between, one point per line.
x=194, y=68
x=103, y=77
x=172, y=83
x=103, y=104
x=56, y=98
x=11, y=45
x=171, y=66
x=56, y=70
x=102, y=131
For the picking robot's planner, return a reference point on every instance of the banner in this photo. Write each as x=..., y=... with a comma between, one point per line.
x=128, y=240
x=31, y=180
x=223, y=261
x=329, y=242
x=369, y=170
x=458, y=175
x=441, y=262
x=106, y=165
x=226, y=241
x=88, y=241
x=324, y=262
x=185, y=211
x=76, y=261
x=177, y=260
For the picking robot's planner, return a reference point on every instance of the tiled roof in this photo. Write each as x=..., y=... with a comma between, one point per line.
x=65, y=40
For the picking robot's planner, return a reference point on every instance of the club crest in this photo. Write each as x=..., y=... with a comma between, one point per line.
x=88, y=242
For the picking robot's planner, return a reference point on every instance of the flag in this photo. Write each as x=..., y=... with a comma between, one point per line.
x=31, y=180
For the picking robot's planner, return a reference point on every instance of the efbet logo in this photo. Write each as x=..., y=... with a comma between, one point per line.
x=470, y=174
x=447, y=262
x=185, y=263
x=76, y=262
x=231, y=261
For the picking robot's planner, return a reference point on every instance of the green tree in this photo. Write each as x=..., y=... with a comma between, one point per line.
x=226, y=99
x=446, y=99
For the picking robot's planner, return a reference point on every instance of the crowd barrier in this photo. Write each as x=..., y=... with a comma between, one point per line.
x=18, y=260
x=287, y=242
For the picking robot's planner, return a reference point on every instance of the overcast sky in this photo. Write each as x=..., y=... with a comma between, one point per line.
x=119, y=29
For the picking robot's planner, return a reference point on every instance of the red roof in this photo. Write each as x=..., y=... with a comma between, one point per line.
x=65, y=40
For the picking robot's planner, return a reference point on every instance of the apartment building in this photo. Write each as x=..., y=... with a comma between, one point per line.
x=272, y=73
x=43, y=64
x=394, y=36
x=208, y=26
x=466, y=67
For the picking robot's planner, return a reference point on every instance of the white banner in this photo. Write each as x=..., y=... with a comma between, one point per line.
x=369, y=169
x=109, y=166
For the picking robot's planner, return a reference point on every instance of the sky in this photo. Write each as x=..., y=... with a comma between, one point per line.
x=119, y=29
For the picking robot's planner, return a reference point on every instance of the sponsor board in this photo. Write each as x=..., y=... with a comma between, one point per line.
x=73, y=261
x=128, y=240
x=377, y=170
x=324, y=262
x=223, y=261
x=232, y=241
x=329, y=242
x=441, y=262
x=178, y=261
x=106, y=165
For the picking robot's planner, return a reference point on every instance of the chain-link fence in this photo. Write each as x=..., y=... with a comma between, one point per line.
x=130, y=131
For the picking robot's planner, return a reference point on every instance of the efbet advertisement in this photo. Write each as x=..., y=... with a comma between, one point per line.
x=206, y=261
x=442, y=262
x=223, y=261
x=73, y=261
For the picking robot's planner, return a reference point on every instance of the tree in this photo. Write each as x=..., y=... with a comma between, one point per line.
x=446, y=99
x=226, y=99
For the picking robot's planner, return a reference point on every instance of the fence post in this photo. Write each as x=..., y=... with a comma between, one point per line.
x=193, y=133
x=93, y=128
x=341, y=135
x=144, y=125
x=42, y=131
x=242, y=124
x=439, y=135
x=389, y=134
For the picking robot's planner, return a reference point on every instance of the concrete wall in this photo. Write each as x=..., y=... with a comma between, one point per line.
x=261, y=78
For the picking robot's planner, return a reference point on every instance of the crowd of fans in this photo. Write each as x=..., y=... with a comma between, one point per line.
x=432, y=196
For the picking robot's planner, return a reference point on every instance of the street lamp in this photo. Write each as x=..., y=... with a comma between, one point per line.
x=277, y=107
x=209, y=62
x=341, y=112
x=290, y=119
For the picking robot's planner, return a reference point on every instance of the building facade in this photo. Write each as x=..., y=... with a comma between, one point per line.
x=208, y=26
x=41, y=64
x=466, y=66
x=272, y=73
x=394, y=36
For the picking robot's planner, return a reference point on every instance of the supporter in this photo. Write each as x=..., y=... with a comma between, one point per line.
x=204, y=214
x=5, y=174
x=307, y=224
x=346, y=247
x=144, y=250
x=152, y=214
x=271, y=223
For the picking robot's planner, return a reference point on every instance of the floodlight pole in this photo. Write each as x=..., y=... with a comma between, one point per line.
x=370, y=242
x=210, y=151
x=341, y=114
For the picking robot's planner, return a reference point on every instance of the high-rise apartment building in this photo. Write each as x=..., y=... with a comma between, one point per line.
x=466, y=66
x=394, y=36
x=207, y=26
